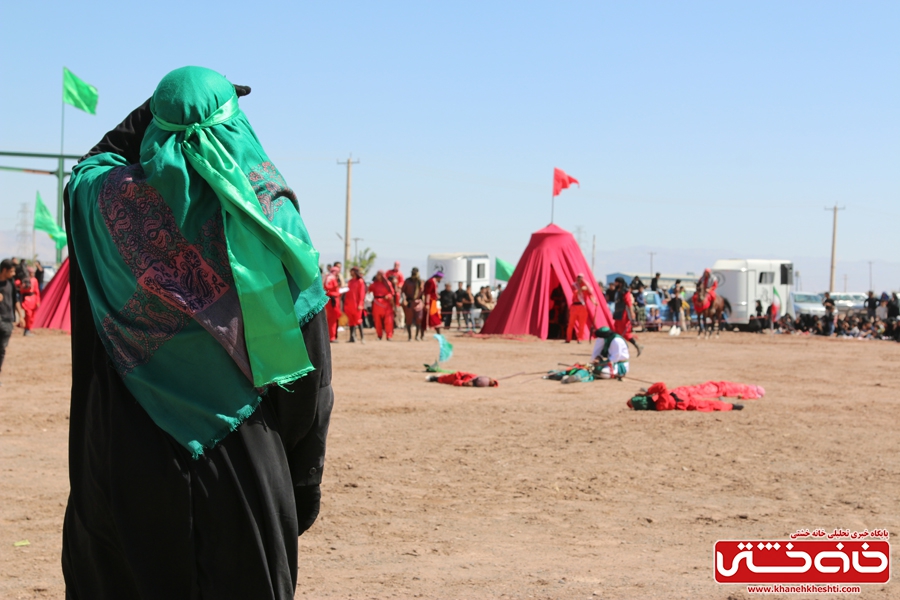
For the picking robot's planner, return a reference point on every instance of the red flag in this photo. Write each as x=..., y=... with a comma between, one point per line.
x=561, y=181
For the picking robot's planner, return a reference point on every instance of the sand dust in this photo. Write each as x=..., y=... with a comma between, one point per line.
x=534, y=489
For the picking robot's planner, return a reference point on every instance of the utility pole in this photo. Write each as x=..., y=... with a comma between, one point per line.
x=349, y=162
x=593, y=255
x=356, y=242
x=870, y=276
x=834, y=248
x=651, y=262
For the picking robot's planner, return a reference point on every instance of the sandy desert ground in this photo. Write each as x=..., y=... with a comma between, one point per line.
x=533, y=489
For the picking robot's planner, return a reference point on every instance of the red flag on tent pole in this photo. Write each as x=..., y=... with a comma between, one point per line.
x=561, y=181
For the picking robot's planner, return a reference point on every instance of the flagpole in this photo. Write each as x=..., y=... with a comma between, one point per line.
x=60, y=176
x=552, y=205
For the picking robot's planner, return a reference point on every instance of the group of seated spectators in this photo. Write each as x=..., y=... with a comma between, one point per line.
x=879, y=321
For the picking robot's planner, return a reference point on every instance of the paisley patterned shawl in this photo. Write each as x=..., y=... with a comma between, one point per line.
x=166, y=287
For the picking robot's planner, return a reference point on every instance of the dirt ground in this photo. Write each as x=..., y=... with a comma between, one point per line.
x=534, y=489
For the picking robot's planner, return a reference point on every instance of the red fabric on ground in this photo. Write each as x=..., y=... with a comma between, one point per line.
x=665, y=401
x=458, y=378
x=54, y=310
x=715, y=389
x=551, y=259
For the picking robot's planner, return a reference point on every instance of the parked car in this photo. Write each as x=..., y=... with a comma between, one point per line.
x=655, y=300
x=806, y=303
x=849, y=303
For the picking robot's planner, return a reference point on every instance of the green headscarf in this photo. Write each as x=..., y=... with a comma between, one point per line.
x=607, y=334
x=199, y=268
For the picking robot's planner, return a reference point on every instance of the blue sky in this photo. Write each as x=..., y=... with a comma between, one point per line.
x=692, y=126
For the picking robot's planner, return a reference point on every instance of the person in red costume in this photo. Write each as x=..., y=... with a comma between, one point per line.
x=719, y=389
x=623, y=314
x=30, y=294
x=463, y=379
x=695, y=397
x=383, y=306
x=332, y=284
x=354, y=303
x=396, y=274
x=706, y=292
x=578, y=313
x=431, y=315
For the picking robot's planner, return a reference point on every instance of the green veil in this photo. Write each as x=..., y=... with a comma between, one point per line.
x=199, y=268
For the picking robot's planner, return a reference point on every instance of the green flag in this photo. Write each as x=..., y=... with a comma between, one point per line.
x=79, y=93
x=43, y=221
x=446, y=348
x=503, y=270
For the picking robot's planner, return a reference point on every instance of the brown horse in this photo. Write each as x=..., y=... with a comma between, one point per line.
x=714, y=312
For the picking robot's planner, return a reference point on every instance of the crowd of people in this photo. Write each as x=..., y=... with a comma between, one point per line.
x=391, y=301
x=879, y=321
x=649, y=318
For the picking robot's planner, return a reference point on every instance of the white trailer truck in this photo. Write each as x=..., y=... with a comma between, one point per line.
x=743, y=282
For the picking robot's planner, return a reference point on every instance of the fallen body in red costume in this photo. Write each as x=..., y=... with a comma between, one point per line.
x=461, y=378
x=703, y=397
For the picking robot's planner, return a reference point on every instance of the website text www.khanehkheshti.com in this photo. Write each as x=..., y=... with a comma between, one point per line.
x=804, y=588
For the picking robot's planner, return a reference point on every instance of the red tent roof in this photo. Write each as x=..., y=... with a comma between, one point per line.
x=552, y=258
x=54, y=310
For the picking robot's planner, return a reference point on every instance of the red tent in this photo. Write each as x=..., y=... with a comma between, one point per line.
x=54, y=310
x=552, y=259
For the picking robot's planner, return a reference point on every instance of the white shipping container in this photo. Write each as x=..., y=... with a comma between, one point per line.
x=470, y=268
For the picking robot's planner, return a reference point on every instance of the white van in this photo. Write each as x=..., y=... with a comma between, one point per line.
x=744, y=281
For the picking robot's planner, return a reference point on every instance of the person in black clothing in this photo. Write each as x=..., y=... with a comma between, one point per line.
x=146, y=520
x=447, y=299
x=654, y=283
x=19, y=265
x=10, y=307
x=459, y=298
x=893, y=307
x=871, y=304
x=827, y=321
x=675, y=308
x=39, y=274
